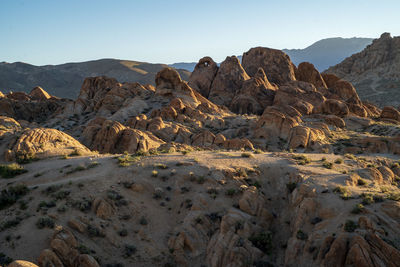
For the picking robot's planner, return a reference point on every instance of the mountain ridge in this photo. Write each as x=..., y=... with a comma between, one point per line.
x=65, y=80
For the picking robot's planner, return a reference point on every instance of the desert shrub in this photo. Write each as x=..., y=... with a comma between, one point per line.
x=185, y=152
x=123, y=232
x=61, y=194
x=262, y=241
x=291, y=186
x=343, y=192
x=93, y=164
x=10, y=223
x=359, y=208
x=10, y=195
x=143, y=221
x=44, y=204
x=230, y=192
x=4, y=259
x=368, y=198
x=339, y=161
x=83, y=205
x=246, y=155
x=76, y=169
x=258, y=151
x=350, y=156
x=11, y=170
x=126, y=160
x=74, y=153
x=393, y=196
x=327, y=164
x=301, y=159
x=45, y=222
x=85, y=250
x=361, y=182
x=350, y=226
x=51, y=189
x=114, y=195
x=62, y=208
x=25, y=158
x=93, y=231
x=129, y=250
x=160, y=166
x=301, y=235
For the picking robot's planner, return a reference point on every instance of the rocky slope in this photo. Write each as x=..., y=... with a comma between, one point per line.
x=259, y=163
x=65, y=80
x=375, y=71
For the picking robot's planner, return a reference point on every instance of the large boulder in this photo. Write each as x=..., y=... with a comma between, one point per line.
x=39, y=94
x=255, y=95
x=108, y=136
x=308, y=73
x=43, y=143
x=275, y=63
x=228, y=81
x=390, y=113
x=203, y=75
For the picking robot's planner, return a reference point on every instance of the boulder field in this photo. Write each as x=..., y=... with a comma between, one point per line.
x=251, y=163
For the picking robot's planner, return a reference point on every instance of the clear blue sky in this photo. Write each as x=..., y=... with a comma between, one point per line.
x=55, y=31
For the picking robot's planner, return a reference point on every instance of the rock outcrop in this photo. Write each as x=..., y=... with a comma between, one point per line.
x=38, y=106
x=106, y=136
x=42, y=143
x=276, y=64
x=375, y=71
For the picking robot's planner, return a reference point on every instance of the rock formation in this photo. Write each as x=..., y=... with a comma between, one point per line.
x=375, y=71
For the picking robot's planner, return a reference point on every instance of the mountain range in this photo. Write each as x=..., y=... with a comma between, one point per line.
x=65, y=80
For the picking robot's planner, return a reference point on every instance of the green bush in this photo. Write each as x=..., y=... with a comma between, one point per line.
x=327, y=164
x=129, y=250
x=350, y=226
x=343, y=192
x=359, y=208
x=302, y=160
x=247, y=155
x=339, y=161
x=45, y=222
x=11, y=170
x=262, y=241
x=93, y=231
x=10, y=195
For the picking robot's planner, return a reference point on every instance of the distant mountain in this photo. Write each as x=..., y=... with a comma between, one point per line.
x=375, y=71
x=65, y=80
x=189, y=66
x=323, y=54
x=328, y=52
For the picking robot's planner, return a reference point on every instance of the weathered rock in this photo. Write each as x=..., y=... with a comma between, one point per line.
x=108, y=136
x=22, y=263
x=42, y=143
x=49, y=258
x=38, y=93
x=333, y=107
x=306, y=72
x=335, y=121
x=203, y=75
x=275, y=63
x=228, y=81
x=390, y=113
x=102, y=208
